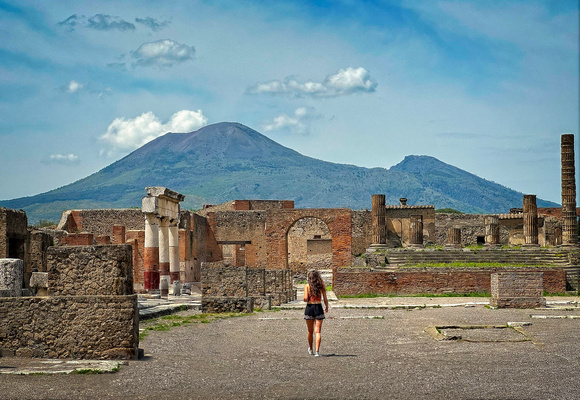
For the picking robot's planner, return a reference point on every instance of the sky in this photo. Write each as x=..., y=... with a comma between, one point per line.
x=486, y=86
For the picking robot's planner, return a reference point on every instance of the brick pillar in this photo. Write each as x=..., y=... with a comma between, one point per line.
x=151, y=262
x=379, y=219
x=453, y=238
x=103, y=239
x=530, y=220
x=492, y=230
x=118, y=234
x=569, y=221
x=416, y=231
x=164, y=248
x=174, y=252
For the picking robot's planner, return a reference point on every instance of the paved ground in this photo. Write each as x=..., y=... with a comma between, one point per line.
x=390, y=356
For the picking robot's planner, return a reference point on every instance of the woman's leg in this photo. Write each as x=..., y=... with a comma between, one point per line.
x=318, y=330
x=310, y=325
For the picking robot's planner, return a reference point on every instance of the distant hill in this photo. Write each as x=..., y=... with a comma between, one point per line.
x=228, y=161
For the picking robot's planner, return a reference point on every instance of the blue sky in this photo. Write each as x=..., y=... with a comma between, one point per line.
x=487, y=86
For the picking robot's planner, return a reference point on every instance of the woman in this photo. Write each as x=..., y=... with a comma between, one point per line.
x=314, y=292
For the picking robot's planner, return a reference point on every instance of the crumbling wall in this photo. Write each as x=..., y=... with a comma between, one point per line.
x=306, y=245
x=13, y=233
x=100, y=222
x=362, y=231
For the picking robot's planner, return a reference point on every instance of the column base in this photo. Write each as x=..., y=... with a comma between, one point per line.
x=174, y=276
x=151, y=280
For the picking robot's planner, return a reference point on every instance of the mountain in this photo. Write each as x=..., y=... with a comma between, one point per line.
x=229, y=161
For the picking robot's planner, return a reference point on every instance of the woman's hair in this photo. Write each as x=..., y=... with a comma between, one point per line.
x=315, y=282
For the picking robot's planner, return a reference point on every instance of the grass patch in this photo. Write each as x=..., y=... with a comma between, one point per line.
x=559, y=294
x=373, y=295
x=87, y=371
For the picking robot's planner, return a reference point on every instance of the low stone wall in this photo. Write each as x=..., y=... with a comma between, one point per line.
x=353, y=281
x=227, y=304
x=84, y=327
x=90, y=270
x=517, y=290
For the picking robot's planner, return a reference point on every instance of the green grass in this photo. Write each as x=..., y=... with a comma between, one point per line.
x=87, y=371
x=373, y=295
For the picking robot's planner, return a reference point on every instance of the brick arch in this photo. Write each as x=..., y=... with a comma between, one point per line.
x=338, y=221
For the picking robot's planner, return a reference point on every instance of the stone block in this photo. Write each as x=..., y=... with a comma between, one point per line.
x=11, y=276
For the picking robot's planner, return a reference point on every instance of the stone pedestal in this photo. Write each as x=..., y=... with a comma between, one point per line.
x=530, y=221
x=39, y=283
x=491, y=231
x=517, y=290
x=453, y=238
x=569, y=221
x=11, y=277
x=151, y=253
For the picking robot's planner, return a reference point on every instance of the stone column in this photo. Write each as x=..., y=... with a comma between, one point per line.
x=569, y=221
x=174, y=252
x=453, y=238
x=379, y=218
x=530, y=220
x=491, y=230
x=164, y=248
x=416, y=231
x=151, y=253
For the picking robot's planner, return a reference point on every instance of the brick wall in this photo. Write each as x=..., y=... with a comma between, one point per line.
x=353, y=281
x=137, y=241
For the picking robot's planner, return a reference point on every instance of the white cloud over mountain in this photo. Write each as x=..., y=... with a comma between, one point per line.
x=64, y=159
x=346, y=81
x=296, y=123
x=130, y=133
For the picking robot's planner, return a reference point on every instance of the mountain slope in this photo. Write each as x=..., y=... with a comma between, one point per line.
x=228, y=161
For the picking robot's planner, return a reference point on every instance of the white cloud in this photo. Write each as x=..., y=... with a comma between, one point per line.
x=296, y=123
x=65, y=159
x=72, y=87
x=344, y=82
x=131, y=133
x=163, y=53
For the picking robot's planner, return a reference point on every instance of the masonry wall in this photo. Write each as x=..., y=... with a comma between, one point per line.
x=13, y=233
x=100, y=222
x=83, y=327
x=304, y=251
x=353, y=281
x=362, y=231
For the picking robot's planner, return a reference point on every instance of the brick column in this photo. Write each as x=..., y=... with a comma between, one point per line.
x=492, y=230
x=416, y=231
x=569, y=221
x=379, y=215
x=530, y=220
x=118, y=234
x=151, y=250
x=453, y=238
x=174, y=251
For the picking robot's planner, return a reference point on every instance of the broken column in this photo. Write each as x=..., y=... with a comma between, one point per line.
x=416, y=231
x=453, y=238
x=161, y=209
x=379, y=219
x=491, y=230
x=569, y=221
x=530, y=221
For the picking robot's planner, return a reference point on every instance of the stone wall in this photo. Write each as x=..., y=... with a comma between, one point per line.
x=517, y=289
x=398, y=222
x=90, y=270
x=13, y=233
x=83, y=327
x=305, y=245
x=100, y=222
x=353, y=281
x=362, y=231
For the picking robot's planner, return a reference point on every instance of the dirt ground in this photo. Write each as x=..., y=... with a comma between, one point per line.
x=389, y=355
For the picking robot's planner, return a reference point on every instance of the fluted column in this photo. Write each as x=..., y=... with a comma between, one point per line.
x=416, y=231
x=151, y=250
x=569, y=221
x=491, y=230
x=530, y=220
x=379, y=219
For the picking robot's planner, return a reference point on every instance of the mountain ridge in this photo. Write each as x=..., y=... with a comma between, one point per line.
x=227, y=161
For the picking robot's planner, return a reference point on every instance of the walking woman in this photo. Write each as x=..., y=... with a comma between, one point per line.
x=314, y=293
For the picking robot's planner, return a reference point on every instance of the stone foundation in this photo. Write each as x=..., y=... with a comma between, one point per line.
x=517, y=290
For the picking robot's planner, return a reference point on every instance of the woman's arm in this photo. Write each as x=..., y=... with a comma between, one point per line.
x=306, y=292
x=325, y=299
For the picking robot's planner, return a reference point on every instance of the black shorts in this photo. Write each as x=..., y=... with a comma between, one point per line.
x=314, y=311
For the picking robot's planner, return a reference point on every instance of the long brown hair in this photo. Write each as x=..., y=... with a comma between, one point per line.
x=315, y=283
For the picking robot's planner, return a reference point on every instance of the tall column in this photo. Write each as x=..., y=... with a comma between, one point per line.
x=151, y=253
x=491, y=230
x=416, y=231
x=379, y=219
x=163, y=246
x=530, y=220
x=569, y=221
x=174, y=251
x=453, y=238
